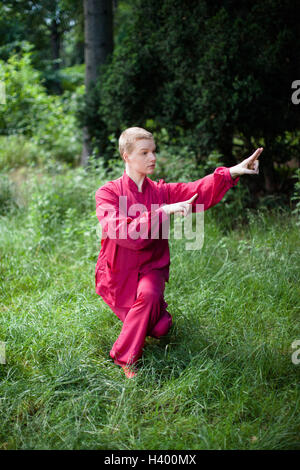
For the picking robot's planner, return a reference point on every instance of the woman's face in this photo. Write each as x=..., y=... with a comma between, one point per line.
x=143, y=158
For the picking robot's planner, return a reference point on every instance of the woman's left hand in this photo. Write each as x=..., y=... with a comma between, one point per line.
x=249, y=166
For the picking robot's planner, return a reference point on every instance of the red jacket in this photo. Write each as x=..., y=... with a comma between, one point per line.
x=122, y=257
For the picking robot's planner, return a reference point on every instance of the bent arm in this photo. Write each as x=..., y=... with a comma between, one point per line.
x=133, y=233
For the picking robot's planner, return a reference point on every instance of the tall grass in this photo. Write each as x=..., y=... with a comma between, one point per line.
x=221, y=379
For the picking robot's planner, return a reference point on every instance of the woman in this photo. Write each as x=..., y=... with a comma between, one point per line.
x=133, y=264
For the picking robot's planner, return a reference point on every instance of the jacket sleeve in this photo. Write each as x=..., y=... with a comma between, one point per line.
x=133, y=233
x=210, y=189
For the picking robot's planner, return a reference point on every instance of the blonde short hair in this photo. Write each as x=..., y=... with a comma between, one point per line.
x=128, y=138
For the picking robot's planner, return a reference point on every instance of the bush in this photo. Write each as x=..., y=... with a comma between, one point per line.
x=8, y=197
x=296, y=197
x=46, y=120
x=62, y=204
x=58, y=133
x=72, y=77
x=18, y=150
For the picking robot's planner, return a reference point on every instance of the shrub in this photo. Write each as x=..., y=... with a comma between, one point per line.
x=46, y=120
x=18, y=150
x=62, y=204
x=296, y=197
x=8, y=197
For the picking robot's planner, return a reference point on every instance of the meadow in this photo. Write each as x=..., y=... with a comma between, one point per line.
x=223, y=377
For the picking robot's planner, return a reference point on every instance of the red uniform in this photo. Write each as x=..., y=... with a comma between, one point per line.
x=131, y=271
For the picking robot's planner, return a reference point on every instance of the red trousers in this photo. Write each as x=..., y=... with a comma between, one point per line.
x=146, y=317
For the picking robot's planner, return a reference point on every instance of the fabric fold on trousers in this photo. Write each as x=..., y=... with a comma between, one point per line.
x=148, y=316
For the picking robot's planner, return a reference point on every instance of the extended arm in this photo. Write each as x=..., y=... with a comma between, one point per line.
x=210, y=189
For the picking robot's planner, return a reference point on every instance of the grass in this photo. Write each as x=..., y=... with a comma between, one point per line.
x=221, y=379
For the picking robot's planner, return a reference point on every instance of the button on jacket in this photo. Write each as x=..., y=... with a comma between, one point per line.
x=123, y=253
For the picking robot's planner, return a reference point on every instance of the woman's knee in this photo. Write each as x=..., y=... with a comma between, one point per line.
x=150, y=295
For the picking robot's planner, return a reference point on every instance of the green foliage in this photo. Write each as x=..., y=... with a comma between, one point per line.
x=88, y=116
x=58, y=133
x=60, y=204
x=8, y=197
x=196, y=66
x=296, y=197
x=53, y=196
x=54, y=27
x=18, y=150
x=46, y=120
x=26, y=100
x=72, y=77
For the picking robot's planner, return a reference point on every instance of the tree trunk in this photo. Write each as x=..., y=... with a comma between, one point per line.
x=55, y=44
x=98, y=33
x=268, y=171
x=267, y=166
